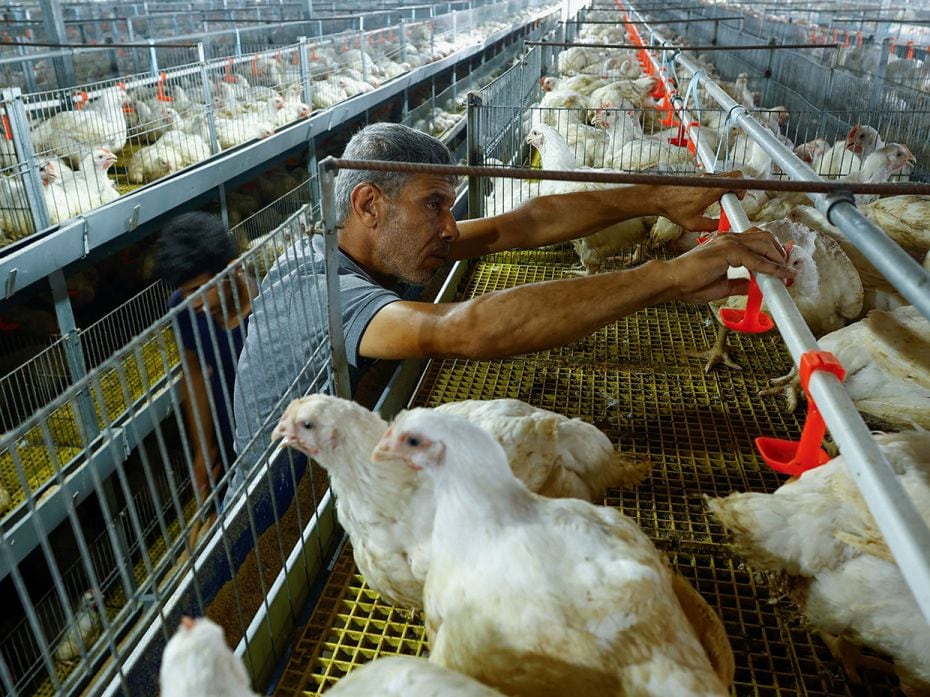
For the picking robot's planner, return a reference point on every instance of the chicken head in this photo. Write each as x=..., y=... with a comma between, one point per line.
x=197, y=661
x=312, y=425
x=407, y=441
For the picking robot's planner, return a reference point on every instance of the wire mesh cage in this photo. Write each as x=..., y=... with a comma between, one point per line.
x=821, y=86
x=122, y=455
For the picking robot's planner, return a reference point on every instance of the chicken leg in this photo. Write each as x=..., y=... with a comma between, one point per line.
x=789, y=385
x=850, y=657
x=717, y=353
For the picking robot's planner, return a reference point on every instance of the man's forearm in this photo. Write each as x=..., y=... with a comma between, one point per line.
x=545, y=315
x=553, y=219
x=563, y=217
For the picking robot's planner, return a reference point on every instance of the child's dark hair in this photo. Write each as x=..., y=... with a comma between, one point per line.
x=192, y=244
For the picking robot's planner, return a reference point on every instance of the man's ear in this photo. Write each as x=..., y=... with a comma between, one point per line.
x=364, y=199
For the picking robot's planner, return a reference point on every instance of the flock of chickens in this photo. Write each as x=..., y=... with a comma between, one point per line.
x=120, y=136
x=480, y=514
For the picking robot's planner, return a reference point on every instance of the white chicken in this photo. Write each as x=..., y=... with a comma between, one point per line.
x=887, y=364
x=879, y=166
x=90, y=186
x=151, y=162
x=552, y=454
x=593, y=250
x=628, y=149
x=905, y=220
x=838, y=159
x=82, y=633
x=101, y=122
x=827, y=288
x=405, y=676
x=538, y=596
x=198, y=663
x=818, y=530
x=392, y=548
x=502, y=194
x=878, y=292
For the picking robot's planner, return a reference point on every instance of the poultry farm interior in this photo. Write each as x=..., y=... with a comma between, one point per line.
x=105, y=543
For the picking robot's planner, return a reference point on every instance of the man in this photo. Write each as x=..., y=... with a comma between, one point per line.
x=398, y=229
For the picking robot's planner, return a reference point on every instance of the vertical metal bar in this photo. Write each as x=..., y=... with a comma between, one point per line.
x=304, y=68
x=56, y=33
x=74, y=353
x=26, y=161
x=473, y=137
x=29, y=76
x=207, y=100
x=878, y=82
x=403, y=48
x=341, y=382
x=153, y=58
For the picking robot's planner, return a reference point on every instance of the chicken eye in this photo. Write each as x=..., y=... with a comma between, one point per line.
x=307, y=425
x=413, y=441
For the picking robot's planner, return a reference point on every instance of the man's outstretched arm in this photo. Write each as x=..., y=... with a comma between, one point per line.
x=538, y=316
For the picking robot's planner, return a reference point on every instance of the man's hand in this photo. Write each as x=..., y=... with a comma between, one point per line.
x=701, y=274
x=685, y=205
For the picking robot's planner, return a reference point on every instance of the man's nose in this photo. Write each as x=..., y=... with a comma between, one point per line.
x=449, y=230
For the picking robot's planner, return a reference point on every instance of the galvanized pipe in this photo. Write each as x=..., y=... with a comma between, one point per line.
x=341, y=383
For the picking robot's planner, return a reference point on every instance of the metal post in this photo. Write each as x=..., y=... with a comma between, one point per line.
x=238, y=51
x=211, y=127
x=207, y=100
x=27, y=167
x=878, y=84
x=304, y=67
x=341, y=383
x=153, y=57
x=28, y=73
x=74, y=354
x=55, y=31
x=475, y=157
x=403, y=49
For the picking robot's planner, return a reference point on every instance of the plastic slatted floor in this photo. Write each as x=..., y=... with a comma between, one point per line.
x=634, y=380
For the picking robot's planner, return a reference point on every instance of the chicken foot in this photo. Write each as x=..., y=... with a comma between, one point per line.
x=851, y=658
x=788, y=385
x=717, y=353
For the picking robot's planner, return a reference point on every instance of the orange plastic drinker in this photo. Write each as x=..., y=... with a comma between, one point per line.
x=750, y=320
x=795, y=457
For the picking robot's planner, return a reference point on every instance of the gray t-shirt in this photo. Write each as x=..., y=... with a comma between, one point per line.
x=285, y=354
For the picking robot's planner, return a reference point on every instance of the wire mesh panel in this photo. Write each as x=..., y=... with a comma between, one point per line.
x=135, y=459
x=604, y=122
x=823, y=86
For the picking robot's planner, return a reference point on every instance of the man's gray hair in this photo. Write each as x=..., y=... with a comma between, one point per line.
x=393, y=142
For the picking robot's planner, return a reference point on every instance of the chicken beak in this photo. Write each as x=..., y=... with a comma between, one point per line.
x=911, y=160
x=383, y=450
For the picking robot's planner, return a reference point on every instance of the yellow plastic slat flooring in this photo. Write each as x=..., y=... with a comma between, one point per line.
x=157, y=354
x=635, y=381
